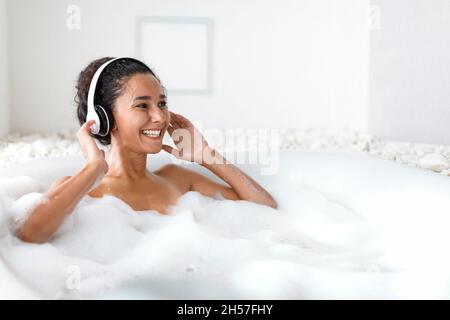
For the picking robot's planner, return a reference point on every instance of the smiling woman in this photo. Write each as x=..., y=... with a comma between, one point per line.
x=109, y=87
x=135, y=102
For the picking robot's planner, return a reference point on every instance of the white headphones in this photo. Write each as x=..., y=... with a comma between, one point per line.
x=102, y=116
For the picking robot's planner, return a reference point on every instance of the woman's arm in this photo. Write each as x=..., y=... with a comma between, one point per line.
x=61, y=198
x=242, y=187
x=246, y=189
x=64, y=194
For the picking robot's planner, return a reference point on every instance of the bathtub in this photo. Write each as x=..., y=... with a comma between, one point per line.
x=348, y=226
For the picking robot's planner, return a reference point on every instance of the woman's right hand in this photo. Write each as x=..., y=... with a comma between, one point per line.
x=89, y=148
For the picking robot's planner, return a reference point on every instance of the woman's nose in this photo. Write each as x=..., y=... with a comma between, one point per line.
x=156, y=114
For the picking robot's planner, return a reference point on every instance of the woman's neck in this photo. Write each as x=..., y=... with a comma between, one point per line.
x=126, y=164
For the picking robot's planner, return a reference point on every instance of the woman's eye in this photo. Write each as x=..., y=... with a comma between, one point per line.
x=163, y=104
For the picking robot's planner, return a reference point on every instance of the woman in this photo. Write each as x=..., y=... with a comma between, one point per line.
x=135, y=97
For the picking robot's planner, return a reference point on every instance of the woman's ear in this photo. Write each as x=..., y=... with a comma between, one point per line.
x=114, y=121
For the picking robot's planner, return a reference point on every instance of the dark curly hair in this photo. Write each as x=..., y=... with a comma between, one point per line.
x=109, y=87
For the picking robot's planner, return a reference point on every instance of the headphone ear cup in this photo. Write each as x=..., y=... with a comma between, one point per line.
x=106, y=120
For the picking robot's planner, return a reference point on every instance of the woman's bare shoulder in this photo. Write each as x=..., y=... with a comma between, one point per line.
x=172, y=169
x=176, y=174
x=169, y=168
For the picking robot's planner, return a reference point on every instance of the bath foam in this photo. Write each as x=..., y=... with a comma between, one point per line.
x=348, y=226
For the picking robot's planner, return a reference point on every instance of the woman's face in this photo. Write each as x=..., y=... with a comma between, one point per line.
x=142, y=105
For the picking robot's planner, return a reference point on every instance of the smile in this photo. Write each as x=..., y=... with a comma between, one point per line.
x=151, y=133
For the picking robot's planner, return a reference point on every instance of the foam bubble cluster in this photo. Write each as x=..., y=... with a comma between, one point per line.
x=347, y=226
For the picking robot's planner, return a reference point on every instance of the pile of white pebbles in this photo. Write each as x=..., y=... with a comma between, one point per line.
x=16, y=148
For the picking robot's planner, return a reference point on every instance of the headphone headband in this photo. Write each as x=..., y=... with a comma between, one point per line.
x=91, y=114
x=93, y=85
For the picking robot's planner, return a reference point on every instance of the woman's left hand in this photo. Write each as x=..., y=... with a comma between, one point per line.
x=190, y=143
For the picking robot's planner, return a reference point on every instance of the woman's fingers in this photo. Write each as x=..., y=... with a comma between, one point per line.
x=180, y=120
x=171, y=130
x=184, y=121
x=91, y=152
x=171, y=150
x=88, y=124
x=85, y=129
x=88, y=145
x=175, y=124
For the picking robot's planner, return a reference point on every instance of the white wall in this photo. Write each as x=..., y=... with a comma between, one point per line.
x=410, y=71
x=4, y=74
x=350, y=49
x=283, y=63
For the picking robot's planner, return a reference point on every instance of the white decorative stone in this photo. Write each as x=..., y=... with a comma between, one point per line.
x=16, y=148
x=434, y=161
